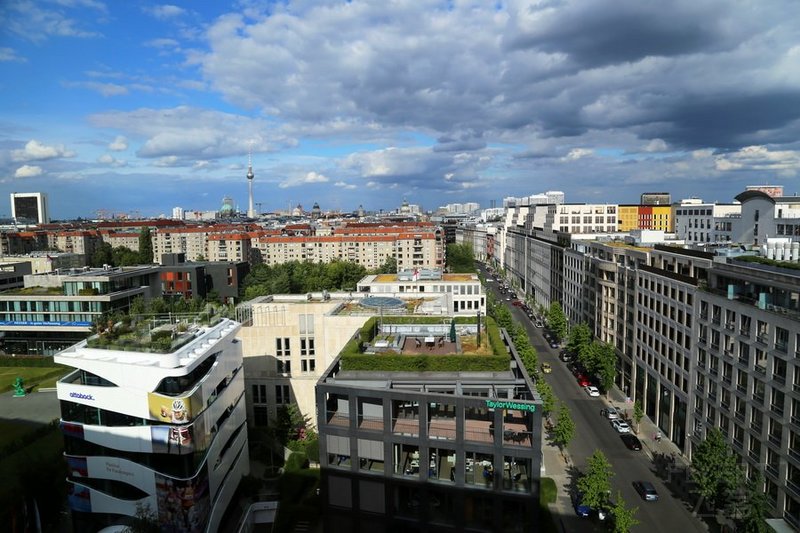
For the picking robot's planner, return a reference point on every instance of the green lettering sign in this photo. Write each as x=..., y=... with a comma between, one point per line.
x=502, y=404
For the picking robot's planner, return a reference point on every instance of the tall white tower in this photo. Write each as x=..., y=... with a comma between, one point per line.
x=251, y=211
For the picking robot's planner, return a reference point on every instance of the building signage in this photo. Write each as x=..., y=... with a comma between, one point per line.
x=496, y=404
x=40, y=323
x=81, y=396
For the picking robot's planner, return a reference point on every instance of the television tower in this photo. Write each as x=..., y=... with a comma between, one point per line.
x=251, y=212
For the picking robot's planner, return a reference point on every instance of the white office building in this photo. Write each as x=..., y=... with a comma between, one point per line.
x=160, y=428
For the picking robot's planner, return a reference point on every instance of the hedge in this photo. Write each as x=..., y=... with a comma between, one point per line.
x=424, y=363
x=25, y=360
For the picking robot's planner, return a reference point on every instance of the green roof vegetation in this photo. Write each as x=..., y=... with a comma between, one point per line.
x=491, y=358
x=33, y=291
x=764, y=261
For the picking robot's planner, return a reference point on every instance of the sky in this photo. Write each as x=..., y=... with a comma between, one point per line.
x=137, y=107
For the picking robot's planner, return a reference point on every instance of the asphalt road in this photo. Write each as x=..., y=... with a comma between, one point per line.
x=593, y=431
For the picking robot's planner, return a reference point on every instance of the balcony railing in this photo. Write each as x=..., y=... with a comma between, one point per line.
x=781, y=346
x=754, y=455
x=744, y=332
x=738, y=415
x=762, y=338
x=777, y=409
x=775, y=439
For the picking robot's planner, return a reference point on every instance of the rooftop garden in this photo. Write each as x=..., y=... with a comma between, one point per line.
x=149, y=333
x=489, y=356
x=765, y=261
x=37, y=290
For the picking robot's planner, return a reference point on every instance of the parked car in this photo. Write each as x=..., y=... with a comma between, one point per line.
x=592, y=391
x=584, y=511
x=546, y=368
x=612, y=413
x=554, y=345
x=621, y=426
x=646, y=490
x=631, y=441
x=538, y=324
x=583, y=381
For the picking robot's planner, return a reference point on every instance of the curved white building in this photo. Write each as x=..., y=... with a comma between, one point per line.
x=165, y=431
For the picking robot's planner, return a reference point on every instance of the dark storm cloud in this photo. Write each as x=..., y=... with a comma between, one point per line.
x=596, y=33
x=729, y=121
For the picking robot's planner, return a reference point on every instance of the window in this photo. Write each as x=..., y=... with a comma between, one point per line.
x=282, y=395
x=259, y=394
x=260, y=415
x=283, y=355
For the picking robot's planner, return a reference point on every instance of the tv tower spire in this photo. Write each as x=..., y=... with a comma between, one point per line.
x=251, y=212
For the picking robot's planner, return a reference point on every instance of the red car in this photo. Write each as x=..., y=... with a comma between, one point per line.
x=517, y=302
x=583, y=381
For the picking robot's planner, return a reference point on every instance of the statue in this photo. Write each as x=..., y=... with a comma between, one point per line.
x=19, y=388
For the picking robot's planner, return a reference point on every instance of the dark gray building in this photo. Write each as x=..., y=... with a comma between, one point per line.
x=429, y=451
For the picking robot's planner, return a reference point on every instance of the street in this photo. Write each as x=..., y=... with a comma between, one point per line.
x=593, y=431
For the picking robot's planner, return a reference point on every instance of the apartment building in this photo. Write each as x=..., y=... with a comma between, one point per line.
x=229, y=247
x=700, y=222
x=475, y=236
x=648, y=217
x=583, y=218
x=189, y=240
x=160, y=430
x=428, y=451
x=126, y=239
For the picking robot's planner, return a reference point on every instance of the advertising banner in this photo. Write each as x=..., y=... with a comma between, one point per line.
x=79, y=498
x=183, y=505
x=176, y=440
x=172, y=409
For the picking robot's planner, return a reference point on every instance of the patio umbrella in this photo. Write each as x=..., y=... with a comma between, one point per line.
x=453, y=330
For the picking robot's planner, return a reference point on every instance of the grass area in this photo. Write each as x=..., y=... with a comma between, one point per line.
x=548, y=492
x=31, y=376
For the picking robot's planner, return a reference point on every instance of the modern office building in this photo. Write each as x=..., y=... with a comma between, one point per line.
x=158, y=425
x=418, y=450
x=56, y=309
x=747, y=379
x=29, y=208
x=198, y=279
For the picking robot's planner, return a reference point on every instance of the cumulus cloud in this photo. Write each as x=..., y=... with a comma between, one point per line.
x=656, y=145
x=108, y=159
x=165, y=11
x=190, y=134
x=119, y=144
x=36, y=151
x=786, y=162
x=305, y=179
x=577, y=153
x=28, y=171
x=344, y=185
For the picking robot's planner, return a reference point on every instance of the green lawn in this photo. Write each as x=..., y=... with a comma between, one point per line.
x=39, y=376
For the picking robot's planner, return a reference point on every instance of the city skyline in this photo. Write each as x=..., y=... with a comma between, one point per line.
x=147, y=106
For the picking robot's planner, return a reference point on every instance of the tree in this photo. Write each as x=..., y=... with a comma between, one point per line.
x=600, y=359
x=557, y=321
x=122, y=256
x=460, y=258
x=564, y=429
x=595, y=485
x=638, y=413
x=624, y=518
x=755, y=508
x=715, y=469
x=145, y=246
x=579, y=337
x=102, y=256
x=548, y=398
x=388, y=267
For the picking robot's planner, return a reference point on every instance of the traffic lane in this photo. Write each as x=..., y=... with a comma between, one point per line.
x=593, y=431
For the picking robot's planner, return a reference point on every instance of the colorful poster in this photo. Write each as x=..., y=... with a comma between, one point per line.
x=176, y=440
x=183, y=505
x=79, y=498
x=77, y=467
x=174, y=410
